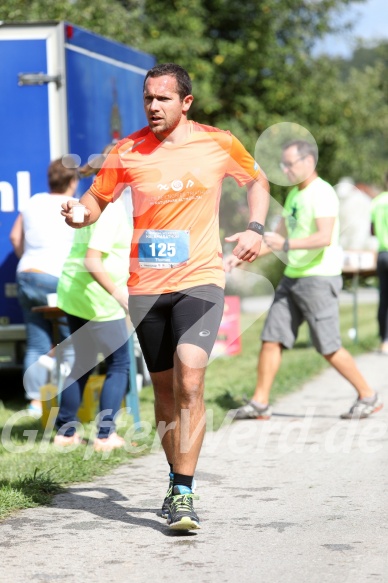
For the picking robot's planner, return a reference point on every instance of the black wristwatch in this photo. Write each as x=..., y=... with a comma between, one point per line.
x=286, y=245
x=256, y=227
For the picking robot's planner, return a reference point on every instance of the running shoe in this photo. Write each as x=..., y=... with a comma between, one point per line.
x=181, y=511
x=169, y=494
x=362, y=408
x=167, y=499
x=252, y=410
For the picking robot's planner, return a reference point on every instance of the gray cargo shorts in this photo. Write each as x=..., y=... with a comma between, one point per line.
x=312, y=299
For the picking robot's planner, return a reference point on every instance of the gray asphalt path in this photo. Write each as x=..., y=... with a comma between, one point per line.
x=300, y=498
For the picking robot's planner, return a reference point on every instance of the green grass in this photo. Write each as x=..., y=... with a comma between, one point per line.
x=32, y=469
x=27, y=491
x=31, y=477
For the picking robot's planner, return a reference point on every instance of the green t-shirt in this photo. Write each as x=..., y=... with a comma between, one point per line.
x=379, y=217
x=301, y=209
x=79, y=294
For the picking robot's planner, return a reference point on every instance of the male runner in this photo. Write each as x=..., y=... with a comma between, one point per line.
x=175, y=168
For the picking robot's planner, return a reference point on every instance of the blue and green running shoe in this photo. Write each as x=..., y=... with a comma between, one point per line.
x=181, y=514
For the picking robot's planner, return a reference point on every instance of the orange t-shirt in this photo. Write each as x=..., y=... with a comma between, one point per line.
x=176, y=192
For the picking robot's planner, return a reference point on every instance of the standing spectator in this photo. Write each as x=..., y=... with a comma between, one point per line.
x=42, y=242
x=175, y=168
x=379, y=217
x=92, y=291
x=309, y=289
x=354, y=212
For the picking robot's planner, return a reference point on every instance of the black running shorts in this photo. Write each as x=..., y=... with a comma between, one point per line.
x=190, y=316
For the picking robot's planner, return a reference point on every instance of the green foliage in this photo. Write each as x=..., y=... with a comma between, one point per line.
x=365, y=74
x=106, y=17
x=252, y=67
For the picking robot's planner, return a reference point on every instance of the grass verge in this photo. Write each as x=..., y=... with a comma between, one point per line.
x=32, y=469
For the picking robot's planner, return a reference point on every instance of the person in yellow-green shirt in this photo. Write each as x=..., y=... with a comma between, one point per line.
x=309, y=289
x=92, y=292
x=379, y=219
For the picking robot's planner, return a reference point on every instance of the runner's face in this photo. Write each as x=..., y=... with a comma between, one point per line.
x=163, y=106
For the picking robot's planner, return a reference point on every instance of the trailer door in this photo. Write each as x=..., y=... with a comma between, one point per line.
x=33, y=129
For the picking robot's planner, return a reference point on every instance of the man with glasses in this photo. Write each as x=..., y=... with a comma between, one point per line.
x=308, y=233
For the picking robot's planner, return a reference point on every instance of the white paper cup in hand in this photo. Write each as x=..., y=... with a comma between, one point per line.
x=78, y=213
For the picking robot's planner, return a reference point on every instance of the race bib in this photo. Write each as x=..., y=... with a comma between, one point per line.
x=163, y=249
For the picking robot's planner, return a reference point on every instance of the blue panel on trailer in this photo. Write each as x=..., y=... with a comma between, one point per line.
x=104, y=104
x=24, y=112
x=103, y=82
x=25, y=130
x=104, y=99
x=97, y=44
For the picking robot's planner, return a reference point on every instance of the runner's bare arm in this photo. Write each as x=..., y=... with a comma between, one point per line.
x=94, y=264
x=321, y=238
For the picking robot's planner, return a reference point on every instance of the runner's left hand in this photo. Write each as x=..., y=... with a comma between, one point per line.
x=248, y=245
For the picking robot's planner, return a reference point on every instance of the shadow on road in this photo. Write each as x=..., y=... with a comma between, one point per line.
x=108, y=507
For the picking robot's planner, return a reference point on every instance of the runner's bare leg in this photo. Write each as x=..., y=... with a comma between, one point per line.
x=179, y=401
x=164, y=406
x=189, y=375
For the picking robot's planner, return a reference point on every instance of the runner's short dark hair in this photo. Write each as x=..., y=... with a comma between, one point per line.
x=181, y=76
